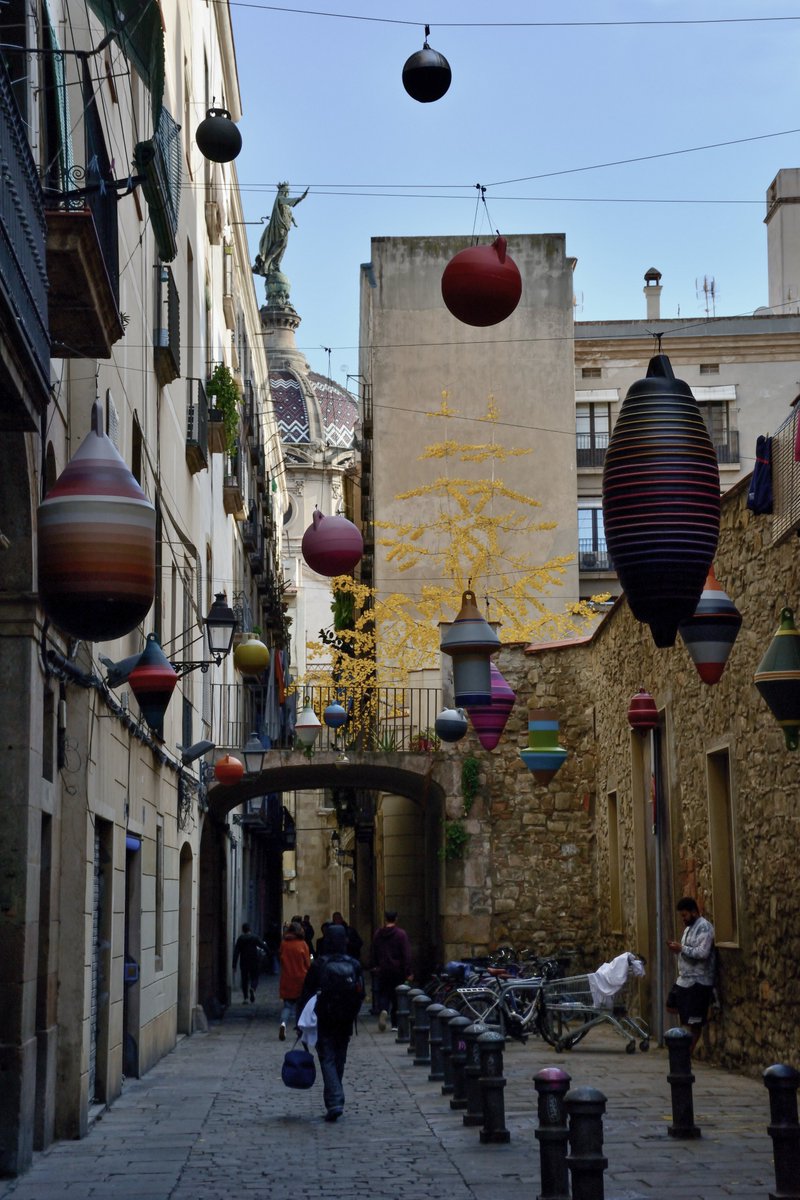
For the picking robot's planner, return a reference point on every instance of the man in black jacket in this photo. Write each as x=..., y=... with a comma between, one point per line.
x=245, y=952
x=391, y=962
x=334, y=1029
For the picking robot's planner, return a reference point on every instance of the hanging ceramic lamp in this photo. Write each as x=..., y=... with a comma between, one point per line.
x=482, y=284
x=661, y=500
x=543, y=756
x=97, y=543
x=335, y=715
x=489, y=720
x=426, y=74
x=251, y=656
x=451, y=725
x=218, y=137
x=228, y=769
x=710, y=633
x=778, y=678
x=152, y=682
x=470, y=640
x=642, y=712
x=331, y=545
x=307, y=726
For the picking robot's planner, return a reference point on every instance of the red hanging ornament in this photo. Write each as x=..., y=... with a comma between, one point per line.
x=489, y=720
x=482, y=284
x=228, y=770
x=642, y=712
x=152, y=682
x=331, y=545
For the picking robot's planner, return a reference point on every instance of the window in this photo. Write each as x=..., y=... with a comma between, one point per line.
x=592, y=428
x=614, y=873
x=723, y=847
x=709, y=368
x=592, y=550
x=716, y=407
x=591, y=372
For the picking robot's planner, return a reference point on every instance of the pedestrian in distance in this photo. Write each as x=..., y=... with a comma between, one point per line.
x=320, y=948
x=337, y=981
x=391, y=964
x=246, y=954
x=295, y=961
x=308, y=930
x=354, y=940
x=694, y=986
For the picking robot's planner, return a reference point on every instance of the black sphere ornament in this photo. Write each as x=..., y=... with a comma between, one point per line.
x=426, y=74
x=218, y=137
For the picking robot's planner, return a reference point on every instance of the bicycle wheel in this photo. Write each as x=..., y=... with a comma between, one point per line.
x=481, y=1006
x=548, y=1024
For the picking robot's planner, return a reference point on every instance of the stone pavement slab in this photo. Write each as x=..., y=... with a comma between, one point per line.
x=212, y=1120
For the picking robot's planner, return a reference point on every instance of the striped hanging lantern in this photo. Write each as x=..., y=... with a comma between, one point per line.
x=642, y=712
x=543, y=755
x=152, y=682
x=778, y=678
x=710, y=633
x=489, y=720
x=661, y=500
x=470, y=640
x=97, y=543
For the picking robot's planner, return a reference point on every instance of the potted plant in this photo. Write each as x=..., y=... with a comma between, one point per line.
x=223, y=415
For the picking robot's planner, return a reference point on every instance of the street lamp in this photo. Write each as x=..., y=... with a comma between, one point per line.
x=220, y=625
x=253, y=753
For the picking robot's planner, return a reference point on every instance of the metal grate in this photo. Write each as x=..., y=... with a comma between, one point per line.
x=785, y=480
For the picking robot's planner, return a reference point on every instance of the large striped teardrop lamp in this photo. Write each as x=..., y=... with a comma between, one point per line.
x=661, y=505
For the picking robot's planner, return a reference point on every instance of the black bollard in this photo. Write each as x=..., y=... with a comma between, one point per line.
x=445, y=1017
x=436, y=1074
x=422, y=1029
x=783, y=1128
x=472, y=1073
x=459, y=1061
x=492, y=1082
x=403, y=1012
x=412, y=995
x=680, y=1079
x=552, y=1084
x=585, y=1107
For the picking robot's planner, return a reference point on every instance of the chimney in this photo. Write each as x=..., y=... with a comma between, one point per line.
x=652, y=290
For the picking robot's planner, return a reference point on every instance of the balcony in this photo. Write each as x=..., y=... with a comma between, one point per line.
x=167, y=334
x=591, y=450
x=727, y=448
x=593, y=556
x=232, y=488
x=25, y=346
x=197, y=451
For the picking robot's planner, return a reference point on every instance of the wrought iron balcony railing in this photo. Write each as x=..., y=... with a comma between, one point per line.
x=591, y=449
x=593, y=556
x=196, y=426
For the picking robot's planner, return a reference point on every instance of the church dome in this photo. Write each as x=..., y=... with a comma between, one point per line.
x=335, y=410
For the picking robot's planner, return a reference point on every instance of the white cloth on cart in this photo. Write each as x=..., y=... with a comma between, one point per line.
x=606, y=981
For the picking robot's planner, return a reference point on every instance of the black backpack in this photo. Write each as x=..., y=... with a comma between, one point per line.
x=341, y=989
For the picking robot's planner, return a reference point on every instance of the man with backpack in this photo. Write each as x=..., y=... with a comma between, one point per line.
x=338, y=983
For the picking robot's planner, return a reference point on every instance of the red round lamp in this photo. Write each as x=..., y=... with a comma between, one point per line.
x=642, y=712
x=228, y=769
x=482, y=284
x=331, y=545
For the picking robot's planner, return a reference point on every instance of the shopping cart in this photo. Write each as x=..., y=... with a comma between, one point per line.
x=569, y=1008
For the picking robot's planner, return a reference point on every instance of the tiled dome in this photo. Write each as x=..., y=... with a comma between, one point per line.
x=337, y=408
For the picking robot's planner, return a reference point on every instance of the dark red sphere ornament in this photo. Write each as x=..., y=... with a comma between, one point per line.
x=331, y=545
x=642, y=712
x=152, y=682
x=661, y=504
x=228, y=769
x=482, y=284
x=426, y=74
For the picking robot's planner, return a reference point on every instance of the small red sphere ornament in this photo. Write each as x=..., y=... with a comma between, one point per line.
x=482, y=284
x=642, y=712
x=228, y=769
x=426, y=74
x=331, y=545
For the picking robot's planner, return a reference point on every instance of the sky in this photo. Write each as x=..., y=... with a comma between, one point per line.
x=535, y=113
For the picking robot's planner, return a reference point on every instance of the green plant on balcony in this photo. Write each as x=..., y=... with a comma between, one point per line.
x=222, y=391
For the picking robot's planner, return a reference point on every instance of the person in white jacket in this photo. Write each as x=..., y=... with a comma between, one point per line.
x=694, y=986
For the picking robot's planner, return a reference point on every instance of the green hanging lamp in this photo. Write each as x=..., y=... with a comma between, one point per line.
x=778, y=678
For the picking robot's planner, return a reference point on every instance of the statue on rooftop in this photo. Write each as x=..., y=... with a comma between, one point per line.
x=274, y=239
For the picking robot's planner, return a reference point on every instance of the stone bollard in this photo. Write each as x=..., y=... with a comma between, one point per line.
x=552, y=1084
x=680, y=1079
x=445, y=1017
x=422, y=1029
x=412, y=995
x=472, y=1073
x=459, y=1061
x=436, y=1074
x=492, y=1081
x=585, y=1107
x=783, y=1128
x=403, y=1013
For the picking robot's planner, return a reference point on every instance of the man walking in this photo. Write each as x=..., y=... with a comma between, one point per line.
x=338, y=982
x=694, y=986
x=391, y=962
x=245, y=952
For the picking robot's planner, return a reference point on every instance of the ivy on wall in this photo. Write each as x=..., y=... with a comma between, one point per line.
x=456, y=835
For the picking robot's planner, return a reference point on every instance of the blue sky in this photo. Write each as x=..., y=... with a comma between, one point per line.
x=324, y=107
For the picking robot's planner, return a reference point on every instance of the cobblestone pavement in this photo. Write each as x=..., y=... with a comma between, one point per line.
x=212, y=1120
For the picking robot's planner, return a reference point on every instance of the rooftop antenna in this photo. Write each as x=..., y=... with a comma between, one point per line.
x=709, y=290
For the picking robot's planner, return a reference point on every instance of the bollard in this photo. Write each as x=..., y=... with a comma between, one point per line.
x=422, y=1029
x=472, y=1073
x=412, y=995
x=680, y=1079
x=445, y=1017
x=403, y=1012
x=492, y=1081
x=459, y=1061
x=436, y=1074
x=783, y=1128
x=552, y=1084
x=585, y=1107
